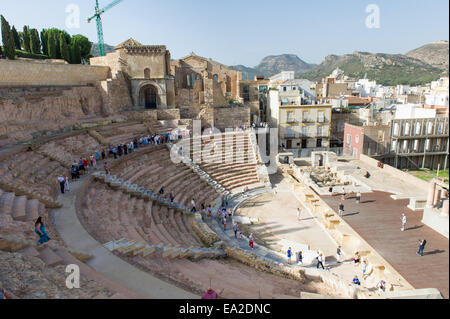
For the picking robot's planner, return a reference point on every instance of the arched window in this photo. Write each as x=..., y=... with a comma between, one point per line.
x=147, y=73
x=193, y=78
x=198, y=76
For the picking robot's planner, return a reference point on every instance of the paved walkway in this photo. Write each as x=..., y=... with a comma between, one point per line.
x=378, y=220
x=77, y=238
x=281, y=228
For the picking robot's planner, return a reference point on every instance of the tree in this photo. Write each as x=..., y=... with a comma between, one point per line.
x=35, y=42
x=16, y=37
x=26, y=39
x=52, y=44
x=84, y=45
x=64, y=48
x=75, y=53
x=8, y=41
x=44, y=41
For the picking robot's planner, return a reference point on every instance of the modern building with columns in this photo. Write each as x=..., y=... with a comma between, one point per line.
x=436, y=211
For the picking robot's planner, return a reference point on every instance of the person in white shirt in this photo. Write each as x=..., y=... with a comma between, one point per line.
x=62, y=182
x=403, y=222
x=66, y=184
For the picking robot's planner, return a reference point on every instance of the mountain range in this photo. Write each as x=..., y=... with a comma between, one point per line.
x=417, y=67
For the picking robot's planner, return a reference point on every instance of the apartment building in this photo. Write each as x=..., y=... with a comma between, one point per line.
x=419, y=143
x=304, y=126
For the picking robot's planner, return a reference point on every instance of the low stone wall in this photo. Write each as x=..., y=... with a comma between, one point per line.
x=98, y=137
x=396, y=173
x=28, y=73
x=264, y=264
x=207, y=236
x=168, y=114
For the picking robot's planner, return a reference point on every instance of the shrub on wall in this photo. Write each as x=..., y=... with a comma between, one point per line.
x=25, y=54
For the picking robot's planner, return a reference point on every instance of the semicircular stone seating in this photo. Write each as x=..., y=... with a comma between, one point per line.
x=153, y=169
x=33, y=171
x=70, y=149
x=234, y=164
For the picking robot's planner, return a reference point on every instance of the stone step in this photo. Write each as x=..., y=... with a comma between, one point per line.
x=32, y=210
x=29, y=251
x=6, y=203
x=49, y=257
x=19, y=208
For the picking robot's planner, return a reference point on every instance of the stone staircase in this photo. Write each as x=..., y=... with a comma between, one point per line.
x=136, y=191
x=174, y=149
x=133, y=248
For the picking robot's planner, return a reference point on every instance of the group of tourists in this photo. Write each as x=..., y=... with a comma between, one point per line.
x=298, y=255
x=90, y=161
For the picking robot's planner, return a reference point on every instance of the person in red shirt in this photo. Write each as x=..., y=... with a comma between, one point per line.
x=86, y=164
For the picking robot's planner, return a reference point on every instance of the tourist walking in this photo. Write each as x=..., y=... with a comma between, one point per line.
x=39, y=228
x=356, y=281
x=338, y=254
x=403, y=222
x=421, y=247
x=86, y=164
x=251, y=240
x=356, y=258
x=224, y=221
x=235, y=229
x=105, y=167
x=62, y=183
x=66, y=184
x=299, y=258
x=358, y=197
x=343, y=193
x=289, y=254
x=171, y=197
x=341, y=209
x=381, y=286
x=320, y=261
x=94, y=162
x=364, y=268
x=193, y=209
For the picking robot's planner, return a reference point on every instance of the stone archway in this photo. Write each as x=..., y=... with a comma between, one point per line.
x=149, y=97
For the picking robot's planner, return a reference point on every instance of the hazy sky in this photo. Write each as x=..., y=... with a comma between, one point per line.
x=244, y=31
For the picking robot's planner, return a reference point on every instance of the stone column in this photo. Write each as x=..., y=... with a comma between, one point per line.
x=445, y=207
x=431, y=189
x=437, y=197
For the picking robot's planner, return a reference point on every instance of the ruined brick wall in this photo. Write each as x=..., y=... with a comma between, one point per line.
x=27, y=110
x=115, y=94
x=168, y=114
x=231, y=117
